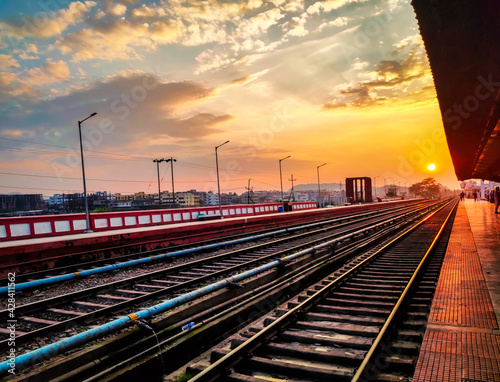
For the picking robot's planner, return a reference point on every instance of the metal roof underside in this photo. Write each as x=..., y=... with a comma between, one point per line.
x=462, y=39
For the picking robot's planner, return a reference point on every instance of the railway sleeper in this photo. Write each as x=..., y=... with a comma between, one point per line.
x=367, y=297
x=296, y=369
x=339, y=328
x=404, y=347
x=369, y=291
x=360, y=301
x=362, y=311
x=359, y=320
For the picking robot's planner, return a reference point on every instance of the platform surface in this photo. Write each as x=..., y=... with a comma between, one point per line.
x=462, y=340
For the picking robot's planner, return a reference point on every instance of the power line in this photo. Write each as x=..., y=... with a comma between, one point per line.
x=58, y=153
x=72, y=178
x=41, y=188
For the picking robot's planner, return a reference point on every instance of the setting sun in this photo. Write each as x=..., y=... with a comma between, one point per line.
x=431, y=167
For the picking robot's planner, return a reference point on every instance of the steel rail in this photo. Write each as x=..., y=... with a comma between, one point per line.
x=221, y=367
x=384, y=331
x=57, y=301
x=325, y=260
x=20, y=286
x=53, y=349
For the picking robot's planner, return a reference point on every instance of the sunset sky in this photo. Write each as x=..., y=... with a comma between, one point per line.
x=337, y=81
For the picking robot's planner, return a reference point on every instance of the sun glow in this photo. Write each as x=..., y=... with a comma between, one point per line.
x=431, y=167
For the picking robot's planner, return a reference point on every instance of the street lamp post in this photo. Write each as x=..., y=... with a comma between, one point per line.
x=172, y=160
x=281, y=183
x=218, y=183
x=87, y=217
x=319, y=189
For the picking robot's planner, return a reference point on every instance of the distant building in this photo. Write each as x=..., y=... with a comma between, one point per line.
x=21, y=202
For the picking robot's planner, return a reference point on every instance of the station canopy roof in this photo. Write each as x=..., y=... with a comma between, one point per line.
x=462, y=39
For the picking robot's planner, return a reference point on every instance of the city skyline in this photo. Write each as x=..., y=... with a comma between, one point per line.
x=342, y=82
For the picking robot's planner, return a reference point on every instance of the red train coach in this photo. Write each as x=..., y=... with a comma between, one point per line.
x=28, y=227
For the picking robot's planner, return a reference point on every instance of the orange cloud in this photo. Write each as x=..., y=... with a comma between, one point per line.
x=50, y=72
x=7, y=62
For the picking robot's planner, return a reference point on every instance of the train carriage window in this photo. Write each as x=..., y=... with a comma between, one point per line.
x=186, y=216
x=62, y=226
x=194, y=215
x=19, y=229
x=79, y=224
x=225, y=212
x=238, y=211
x=3, y=231
x=266, y=208
x=250, y=210
x=101, y=223
x=244, y=210
x=257, y=209
x=177, y=217
x=115, y=222
x=130, y=220
x=231, y=211
x=167, y=217
x=211, y=212
x=156, y=218
x=144, y=219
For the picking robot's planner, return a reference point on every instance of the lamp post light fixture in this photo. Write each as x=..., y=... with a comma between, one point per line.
x=87, y=217
x=319, y=189
x=158, y=161
x=172, y=160
x=218, y=183
x=281, y=183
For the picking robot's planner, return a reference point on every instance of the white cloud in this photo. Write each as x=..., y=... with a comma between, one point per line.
x=25, y=56
x=46, y=24
x=330, y=5
x=50, y=72
x=8, y=63
x=296, y=26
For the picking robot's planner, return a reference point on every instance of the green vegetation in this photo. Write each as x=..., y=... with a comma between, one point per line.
x=427, y=188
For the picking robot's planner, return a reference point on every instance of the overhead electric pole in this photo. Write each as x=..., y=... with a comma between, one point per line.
x=292, y=192
x=158, y=171
x=172, y=160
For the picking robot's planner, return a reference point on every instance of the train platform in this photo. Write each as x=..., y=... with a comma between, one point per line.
x=462, y=340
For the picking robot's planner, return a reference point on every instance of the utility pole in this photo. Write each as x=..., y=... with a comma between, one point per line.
x=172, y=160
x=281, y=184
x=158, y=171
x=319, y=190
x=292, y=193
x=248, y=193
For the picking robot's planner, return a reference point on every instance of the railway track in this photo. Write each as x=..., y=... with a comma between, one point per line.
x=231, y=240
x=117, y=351
x=362, y=324
x=95, y=257
x=72, y=311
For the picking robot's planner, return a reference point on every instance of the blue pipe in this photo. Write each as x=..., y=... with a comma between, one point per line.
x=113, y=267
x=49, y=351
